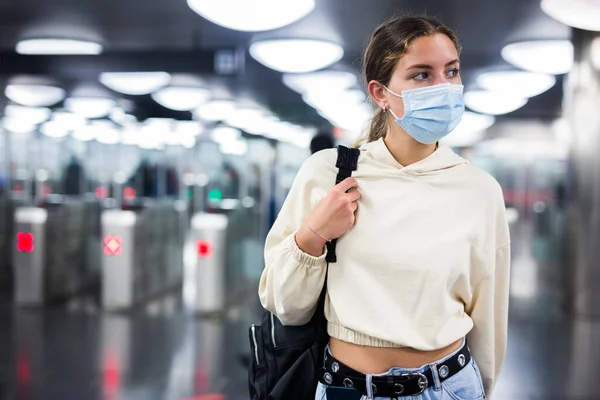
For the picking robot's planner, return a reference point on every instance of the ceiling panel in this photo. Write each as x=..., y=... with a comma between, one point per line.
x=145, y=25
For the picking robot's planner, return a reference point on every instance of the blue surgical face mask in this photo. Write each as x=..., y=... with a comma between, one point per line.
x=432, y=112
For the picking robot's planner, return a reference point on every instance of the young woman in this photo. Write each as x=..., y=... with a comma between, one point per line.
x=421, y=285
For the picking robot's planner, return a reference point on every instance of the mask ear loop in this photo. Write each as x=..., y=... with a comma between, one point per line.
x=394, y=93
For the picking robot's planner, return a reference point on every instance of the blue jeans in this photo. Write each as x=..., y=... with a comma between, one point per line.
x=465, y=385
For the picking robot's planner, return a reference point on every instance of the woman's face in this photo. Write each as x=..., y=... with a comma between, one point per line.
x=430, y=60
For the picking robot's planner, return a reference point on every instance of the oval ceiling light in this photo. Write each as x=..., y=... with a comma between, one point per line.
x=108, y=136
x=135, y=83
x=544, y=56
x=86, y=133
x=17, y=125
x=181, y=98
x=216, y=110
x=252, y=16
x=519, y=83
x=225, y=134
x=34, y=95
x=69, y=121
x=188, y=128
x=582, y=14
x=595, y=52
x=470, y=130
x=90, y=107
x=296, y=55
x=320, y=81
x=32, y=115
x=245, y=118
x=188, y=142
x=58, y=46
x=493, y=103
x=235, y=148
x=131, y=135
x=54, y=129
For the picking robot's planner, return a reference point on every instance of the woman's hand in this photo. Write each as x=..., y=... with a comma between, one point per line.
x=333, y=216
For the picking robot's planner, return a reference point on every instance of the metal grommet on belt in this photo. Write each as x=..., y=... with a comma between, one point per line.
x=348, y=383
x=328, y=378
x=335, y=367
x=462, y=360
x=444, y=371
x=398, y=388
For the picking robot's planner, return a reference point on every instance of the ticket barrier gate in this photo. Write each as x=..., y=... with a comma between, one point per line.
x=7, y=233
x=142, y=255
x=49, y=253
x=209, y=237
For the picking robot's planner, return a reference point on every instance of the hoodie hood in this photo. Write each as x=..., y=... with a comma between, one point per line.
x=441, y=159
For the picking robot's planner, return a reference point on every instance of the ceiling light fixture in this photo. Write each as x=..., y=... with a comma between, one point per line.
x=54, y=129
x=544, y=56
x=50, y=46
x=470, y=130
x=225, y=134
x=216, y=110
x=16, y=125
x=519, y=83
x=32, y=115
x=181, y=98
x=493, y=103
x=245, y=118
x=296, y=55
x=90, y=107
x=135, y=83
x=252, y=16
x=595, y=52
x=236, y=148
x=582, y=14
x=34, y=95
x=320, y=81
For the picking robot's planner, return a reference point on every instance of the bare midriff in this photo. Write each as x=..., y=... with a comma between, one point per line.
x=375, y=360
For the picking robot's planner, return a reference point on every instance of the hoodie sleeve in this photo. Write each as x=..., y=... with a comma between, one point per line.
x=292, y=280
x=489, y=308
x=489, y=311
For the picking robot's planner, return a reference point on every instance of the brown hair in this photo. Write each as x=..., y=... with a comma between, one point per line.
x=389, y=42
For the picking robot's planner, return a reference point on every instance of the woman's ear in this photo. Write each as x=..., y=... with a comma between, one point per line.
x=379, y=95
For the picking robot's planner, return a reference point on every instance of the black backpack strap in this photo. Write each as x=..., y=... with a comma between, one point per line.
x=347, y=162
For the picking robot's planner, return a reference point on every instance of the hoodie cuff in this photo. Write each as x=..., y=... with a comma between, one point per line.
x=303, y=258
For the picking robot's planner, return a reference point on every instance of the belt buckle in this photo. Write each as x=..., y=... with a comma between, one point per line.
x=423, y=383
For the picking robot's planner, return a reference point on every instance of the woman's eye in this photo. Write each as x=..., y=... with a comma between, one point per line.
x=421, y=76
x=454, y=73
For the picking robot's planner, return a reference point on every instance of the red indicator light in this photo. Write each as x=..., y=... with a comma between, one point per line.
x=204, y=248
x=101, y=192
x=25, y=242
x=129, y=193
x=112, y=374
x=23, y=369
x=113, y=245
x=46, y=190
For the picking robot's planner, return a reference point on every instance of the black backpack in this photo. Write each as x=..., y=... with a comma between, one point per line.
x=285, y=359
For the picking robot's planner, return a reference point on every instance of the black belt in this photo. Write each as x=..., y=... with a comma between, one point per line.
x=334, y=373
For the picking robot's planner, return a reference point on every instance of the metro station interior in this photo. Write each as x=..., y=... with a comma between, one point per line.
x=146, y=148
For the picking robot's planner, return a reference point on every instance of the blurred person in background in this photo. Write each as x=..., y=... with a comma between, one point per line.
x=321, y=141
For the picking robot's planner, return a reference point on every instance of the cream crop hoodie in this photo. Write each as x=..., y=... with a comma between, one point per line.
x=426, y=263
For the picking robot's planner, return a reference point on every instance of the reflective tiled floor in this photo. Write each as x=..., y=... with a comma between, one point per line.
x=161, y=352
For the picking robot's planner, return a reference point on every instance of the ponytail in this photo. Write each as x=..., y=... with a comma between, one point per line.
x=377, y=130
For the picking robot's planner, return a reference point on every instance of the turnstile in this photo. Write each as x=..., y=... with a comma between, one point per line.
x=142, y=254
x=208, y=233
x=29, y=257
x=50, y=253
